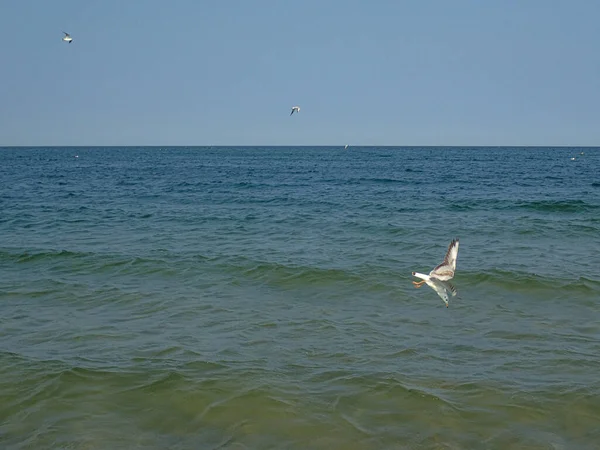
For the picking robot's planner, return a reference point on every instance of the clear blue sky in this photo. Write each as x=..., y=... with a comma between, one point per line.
x=227, y=72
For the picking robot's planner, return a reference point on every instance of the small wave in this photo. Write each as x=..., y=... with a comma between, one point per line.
x=288, y=276
x=86, y=262
x=544, y=206
x=281, y=274
x=511, y=335
x=460, y=207
x=382, y=180
x=27, y=257
x=515, y=279
x=556, y=206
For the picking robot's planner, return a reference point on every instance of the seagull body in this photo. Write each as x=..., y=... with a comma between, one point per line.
x=295, y=109
x=438, y=278
x=346, y=147
x=67, y=37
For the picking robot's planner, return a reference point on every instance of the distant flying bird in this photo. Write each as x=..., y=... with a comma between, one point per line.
x=438, y=277
x=296, y=109
x=67, y=37
x=346, y=146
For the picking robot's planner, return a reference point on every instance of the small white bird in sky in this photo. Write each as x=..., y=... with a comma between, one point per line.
x=438, y=277
x=67, y=37
x=295, y=109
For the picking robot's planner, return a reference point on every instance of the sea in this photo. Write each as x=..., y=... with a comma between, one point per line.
x=261, y=298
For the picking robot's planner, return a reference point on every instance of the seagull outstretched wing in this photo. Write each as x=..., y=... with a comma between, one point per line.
x=445, y=271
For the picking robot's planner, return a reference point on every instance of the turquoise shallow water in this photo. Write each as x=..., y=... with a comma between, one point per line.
x=261, y=298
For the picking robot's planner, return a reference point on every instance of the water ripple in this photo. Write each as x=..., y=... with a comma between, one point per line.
x=261, y=298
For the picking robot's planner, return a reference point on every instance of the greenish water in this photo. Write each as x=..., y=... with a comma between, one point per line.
x=238, y=298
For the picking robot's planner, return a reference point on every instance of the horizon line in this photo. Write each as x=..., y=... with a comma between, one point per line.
x=295, y=146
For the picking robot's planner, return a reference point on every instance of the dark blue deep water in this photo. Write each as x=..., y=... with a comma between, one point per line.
x=256, y=298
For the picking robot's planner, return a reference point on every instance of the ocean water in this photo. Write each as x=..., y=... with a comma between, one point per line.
x=258, y=298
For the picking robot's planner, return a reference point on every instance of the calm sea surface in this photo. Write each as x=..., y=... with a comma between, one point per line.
x=261, y=298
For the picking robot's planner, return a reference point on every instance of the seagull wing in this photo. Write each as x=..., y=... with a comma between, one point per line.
x=441, y=289
x=66, y=34
x=450, y=288
x=445, y=271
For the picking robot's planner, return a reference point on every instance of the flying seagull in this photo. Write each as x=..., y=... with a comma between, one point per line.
x=296, y=109
x=438, y=278
x=67, y=37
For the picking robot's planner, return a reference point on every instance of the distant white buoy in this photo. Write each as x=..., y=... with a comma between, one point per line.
x=67, y=37
x=295, y=109
x=572, y=159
